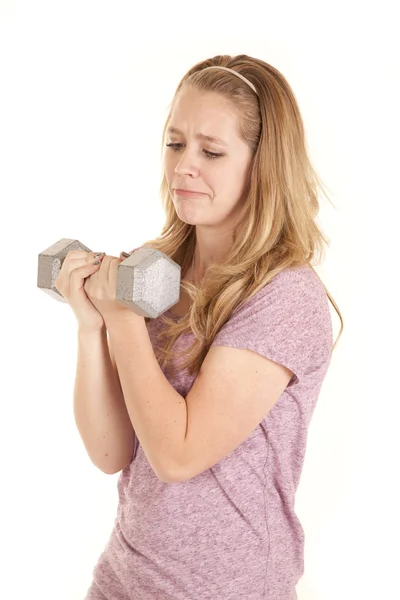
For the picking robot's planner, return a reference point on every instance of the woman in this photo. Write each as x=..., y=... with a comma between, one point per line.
x=206, y=408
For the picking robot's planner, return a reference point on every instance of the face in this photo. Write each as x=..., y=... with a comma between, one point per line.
x=215, y=169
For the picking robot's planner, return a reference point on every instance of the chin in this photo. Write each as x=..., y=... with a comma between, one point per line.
x=189, y=220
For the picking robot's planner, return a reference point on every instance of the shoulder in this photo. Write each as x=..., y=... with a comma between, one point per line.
x=288, y=320
x=295, y=278
x=296, y=289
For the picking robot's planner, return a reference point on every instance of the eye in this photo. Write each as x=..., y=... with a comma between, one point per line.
x=176, y=147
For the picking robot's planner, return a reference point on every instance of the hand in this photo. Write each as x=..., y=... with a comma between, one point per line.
x=101, y=289
x=77, y=266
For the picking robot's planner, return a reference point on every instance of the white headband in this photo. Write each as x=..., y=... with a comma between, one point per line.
x=235, y=73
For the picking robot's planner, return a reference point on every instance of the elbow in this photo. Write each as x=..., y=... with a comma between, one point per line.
x=172, y=471
x=164, y=476
x=110, y=469
x=119, y=463
x=171, y=475
x=107, y=469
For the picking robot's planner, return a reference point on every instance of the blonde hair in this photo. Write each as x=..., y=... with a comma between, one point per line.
x=277, y=228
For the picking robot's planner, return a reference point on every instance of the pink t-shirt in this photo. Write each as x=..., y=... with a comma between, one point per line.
x=231, y=532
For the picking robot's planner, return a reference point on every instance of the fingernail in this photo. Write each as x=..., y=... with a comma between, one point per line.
x=125, y=254
x=98, y=254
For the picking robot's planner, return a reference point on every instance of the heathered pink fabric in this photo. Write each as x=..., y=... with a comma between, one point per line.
x=230, y=533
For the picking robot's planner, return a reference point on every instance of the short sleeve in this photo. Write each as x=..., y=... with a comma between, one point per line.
x=287, y=321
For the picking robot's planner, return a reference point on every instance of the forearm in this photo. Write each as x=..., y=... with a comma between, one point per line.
x=99, y=406
x=157, y=412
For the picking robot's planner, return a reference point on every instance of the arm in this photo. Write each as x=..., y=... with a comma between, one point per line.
x=182, y=437
x=99, y=406
x=158, y=412
x=283, y=332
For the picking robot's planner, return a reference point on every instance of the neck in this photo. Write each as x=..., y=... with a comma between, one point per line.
x=210, y=247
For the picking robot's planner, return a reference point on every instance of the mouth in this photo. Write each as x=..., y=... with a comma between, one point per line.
x=179, y=192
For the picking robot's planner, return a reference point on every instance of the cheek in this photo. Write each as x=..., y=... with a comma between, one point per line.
x=169, y=166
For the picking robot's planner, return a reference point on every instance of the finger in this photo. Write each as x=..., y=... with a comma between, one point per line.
x=89, y=258
x=84, y=272
x=72, y=279
x=73, y=255
x=78, y=269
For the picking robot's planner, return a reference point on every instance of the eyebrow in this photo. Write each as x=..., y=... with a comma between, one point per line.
x=200, y=136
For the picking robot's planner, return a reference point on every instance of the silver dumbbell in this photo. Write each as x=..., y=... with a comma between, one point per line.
x=148, y=281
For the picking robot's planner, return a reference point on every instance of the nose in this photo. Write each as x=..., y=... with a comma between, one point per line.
x=186, y=165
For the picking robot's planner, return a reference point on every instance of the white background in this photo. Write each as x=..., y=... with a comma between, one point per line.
x=84, y=92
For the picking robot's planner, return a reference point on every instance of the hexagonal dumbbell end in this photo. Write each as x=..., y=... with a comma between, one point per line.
x=148, y=282
x=50, y=262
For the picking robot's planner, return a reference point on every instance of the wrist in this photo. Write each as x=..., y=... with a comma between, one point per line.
x=121, y=323
x=84, y=331
x=120, y=318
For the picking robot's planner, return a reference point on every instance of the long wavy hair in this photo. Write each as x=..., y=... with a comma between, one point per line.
x=276, y=229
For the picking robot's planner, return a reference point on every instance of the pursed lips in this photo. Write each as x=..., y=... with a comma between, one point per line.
x=188, y=192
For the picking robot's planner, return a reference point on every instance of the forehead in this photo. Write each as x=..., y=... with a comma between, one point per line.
x=206, y=112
